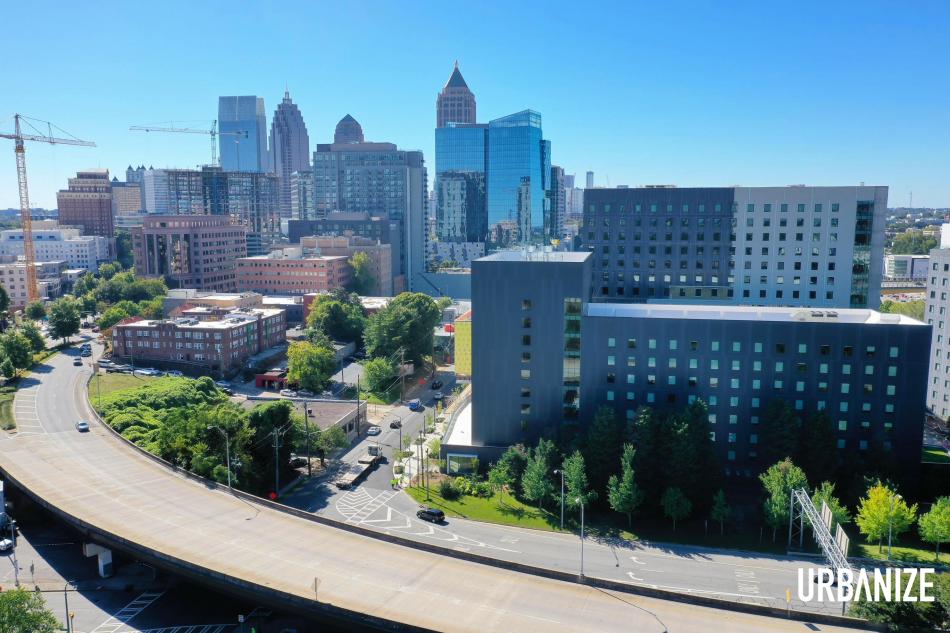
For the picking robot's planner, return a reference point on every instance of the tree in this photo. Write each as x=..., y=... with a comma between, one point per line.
x=35, y=311
x=909, y=616
x=7, y=368
x=720, y=510
x=693, y=466
x=675, y=505
x=913, y=242
x=309, y=366
x=4, y=300
x=123, y=248
x=779, y=481
x=817, y=448
x=112, y=316
x=934, y=526
x=17, y=348
x=881, y=512
x=109, y=270
x=339, y=316
x=826, y=492
x=499, y=477
x=913, y=309
x=264, y=420
x=362, y=282
x=406, y=324
x=536, y=483
x=778, y=432
x=515, y=460
x=603, y=447
x=33, y=334
x=654, y=441
x=575, y=480
x=622, y=492
x=380, y=374
x=23, y=611
x=328, y=441
x=64, y=317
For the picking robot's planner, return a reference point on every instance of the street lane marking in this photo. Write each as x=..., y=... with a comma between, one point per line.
x=126, y=613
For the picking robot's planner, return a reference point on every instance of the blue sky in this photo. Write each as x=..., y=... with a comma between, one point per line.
x=686, y=93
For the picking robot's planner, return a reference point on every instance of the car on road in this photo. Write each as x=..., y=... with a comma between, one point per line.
x=288, y=393
x=222, y=384
x=395, y=424
x=374, y=430
x=77, y=362
x=438, y=396
x=303, y=393
x=433, y=515
x=118, y=368
x=82, y=426
x=436, y=384
x=415, y=404
x=6, y=545
x=86, y=353
x=174, y=373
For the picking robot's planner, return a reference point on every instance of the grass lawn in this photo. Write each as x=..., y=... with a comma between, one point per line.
x=108, y=383
x=509, y=512
x=935, y=455
x=387, y=397
x=7, y=392
x=910, y=549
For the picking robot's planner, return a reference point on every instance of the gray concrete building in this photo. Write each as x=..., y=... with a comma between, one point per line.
x=936, y=314
x=800, y=246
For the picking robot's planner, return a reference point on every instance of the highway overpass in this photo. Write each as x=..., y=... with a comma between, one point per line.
x=126, y=500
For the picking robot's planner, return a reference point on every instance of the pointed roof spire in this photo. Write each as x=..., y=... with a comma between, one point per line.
x=456, y=80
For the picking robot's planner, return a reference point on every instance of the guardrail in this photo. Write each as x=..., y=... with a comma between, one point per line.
x=749, y=604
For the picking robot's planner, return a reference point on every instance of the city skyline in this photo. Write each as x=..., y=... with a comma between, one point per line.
x=828, y=97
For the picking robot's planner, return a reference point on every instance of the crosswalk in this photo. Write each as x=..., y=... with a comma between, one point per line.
x=117, y=623
x=185, y=628
x=24, y=412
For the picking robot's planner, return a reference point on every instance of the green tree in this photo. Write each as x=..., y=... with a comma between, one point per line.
x=675, y=505
x=7, y=368
x=23, y=611
x=913, y=309
x=109, y=270
x=576, y=482
x=909, y=616
x=406, y=324
x=826, y=492
x=123, y=248
x=380, y=374
x=499, y=478
x=817, y=447
x=778, y=432
x=693, y=466
x=35, y=311
x=603, y=447
x=17, y=348
x=622, y=492
x=112, y=316
x=883, y=511
x=536, y=483
x=913, y=242
x=339, y=316
x=309, y=366
x=4, y=300
x=64, y=317
x=654, y=441
x=515, y=460
x=720, y=510
x=363, y=282
x=328, y=441
x=934, y=526
x=33, y=334
x=264, y=420
x=779, y=481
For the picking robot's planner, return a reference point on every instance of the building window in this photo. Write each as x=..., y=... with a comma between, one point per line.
x=525, y=374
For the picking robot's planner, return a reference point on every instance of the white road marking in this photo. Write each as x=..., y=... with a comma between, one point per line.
x=126, y=613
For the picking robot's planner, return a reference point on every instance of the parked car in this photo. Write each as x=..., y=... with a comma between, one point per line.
x=77, y=362
x=227, y=391
x=86, y=353
x=222, y=384
x=147, y=371
x=436, y=384
x=374, y=430
x=415, y=405
x=95, y=328
x=395, y=424
x=174, y=372
x=304, y=393
x=296, y=461
x=6, y=545
x=288, y=393
x=438, y=396
x=82, y=426
x=433, y=515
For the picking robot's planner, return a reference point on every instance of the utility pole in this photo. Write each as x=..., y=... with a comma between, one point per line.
x=227, y=450
x=306, y=417
x=276, y=464
x=402, y=375
x=561, y=472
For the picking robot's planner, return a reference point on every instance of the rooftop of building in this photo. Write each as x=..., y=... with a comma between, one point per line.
x=747, y=313
x=465, y=316
x=535, y=255
x=278, y=256
x=659, y=188
x=229, y=320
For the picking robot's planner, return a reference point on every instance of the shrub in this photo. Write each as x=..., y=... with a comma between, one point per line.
x=447, y=490
x=483, y=489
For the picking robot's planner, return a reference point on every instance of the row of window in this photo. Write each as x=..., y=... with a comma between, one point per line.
x=655, y=207
x=780, y=348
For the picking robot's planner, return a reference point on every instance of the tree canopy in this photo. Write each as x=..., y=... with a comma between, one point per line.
x=934, y=526
x=35, y=310
x=622, y=492
x=913, y=242
x=64, y=318
x=310, y=365
x=779, y=481
x=362, y=282
x=23, y=611
x=883, y=511
x=338, y=315
x=407, y=324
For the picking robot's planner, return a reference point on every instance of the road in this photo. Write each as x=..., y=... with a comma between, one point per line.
x=97, y=478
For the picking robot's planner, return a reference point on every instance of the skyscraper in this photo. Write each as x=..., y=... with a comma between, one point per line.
x=348, y=130
x=87, y=203
x=460, y=188
x=558, y=196
x=456, y=103
x=290, y=149
x=247, y=150
x=590, y=180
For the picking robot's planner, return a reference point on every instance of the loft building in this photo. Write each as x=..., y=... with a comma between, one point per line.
x=53, y=243
x=289, y=149
x=189, y=251
x=289, y=272
x=768, y=246
x=87, y=203
x=545, y=358
x=242, y=134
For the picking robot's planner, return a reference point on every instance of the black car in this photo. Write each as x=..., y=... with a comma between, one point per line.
x=433, y=515
x=77, y=362
x=395, y=424
x=437, y=384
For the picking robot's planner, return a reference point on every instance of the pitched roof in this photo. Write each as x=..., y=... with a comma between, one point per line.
x=456, y=80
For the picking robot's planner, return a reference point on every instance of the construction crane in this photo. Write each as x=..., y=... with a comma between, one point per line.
x=184, y=130
x=29, y=251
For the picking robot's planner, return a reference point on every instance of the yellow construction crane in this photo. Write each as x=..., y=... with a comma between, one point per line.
x=29, y=252
x=184, y=130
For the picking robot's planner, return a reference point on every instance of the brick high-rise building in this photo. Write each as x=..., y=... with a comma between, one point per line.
x=289, y=272
x=456, y=103
x=189, y=251
x=87, y=203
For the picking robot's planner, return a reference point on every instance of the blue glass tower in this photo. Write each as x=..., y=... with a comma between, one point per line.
x=242, y=124
x=460, y=164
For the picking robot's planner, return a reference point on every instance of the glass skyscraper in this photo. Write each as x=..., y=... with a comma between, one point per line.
x=460, y=163
x=242, y=126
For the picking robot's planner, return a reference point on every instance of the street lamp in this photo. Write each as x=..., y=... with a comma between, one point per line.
x=306, y=419
x=581, y=502
x=561, y=473
x=227, y=449
x=890, y=519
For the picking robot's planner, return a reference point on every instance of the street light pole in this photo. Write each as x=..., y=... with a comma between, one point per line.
x=561, y=473
x=66, y=600
x=581, y=502
x=306, y=417
x=227, y=449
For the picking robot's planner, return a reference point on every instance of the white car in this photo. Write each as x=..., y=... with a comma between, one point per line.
x=6, y=545
x=288, y=393
x=147, y=371
x=174, y=373
x=374, y=430
x=82, y=426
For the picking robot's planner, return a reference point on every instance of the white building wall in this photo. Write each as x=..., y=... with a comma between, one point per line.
x=937, y=314
x=79, y=251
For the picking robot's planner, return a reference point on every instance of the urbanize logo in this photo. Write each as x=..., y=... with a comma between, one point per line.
x=878, y=585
